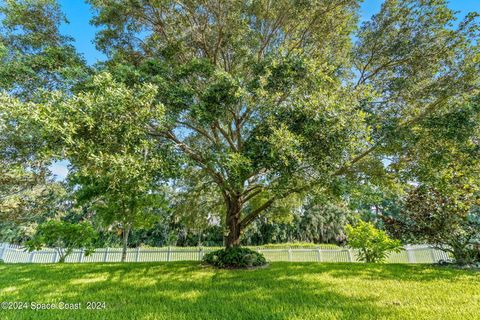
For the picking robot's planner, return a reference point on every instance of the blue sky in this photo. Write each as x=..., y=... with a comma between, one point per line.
x=79, y=14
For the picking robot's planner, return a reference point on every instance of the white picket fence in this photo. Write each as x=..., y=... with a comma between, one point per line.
x=411, y=254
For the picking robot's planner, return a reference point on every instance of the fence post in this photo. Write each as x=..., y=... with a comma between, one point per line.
x=80, y=256
x=2, y=253
x=30, y=258
x=319, y=255
x=200, y=254
x=168, y=254
x=289, y=254
x=137, y=256
x=349, y=255
x=432, y=253
x=105, y=256
x=410, y=254
x=55, y=256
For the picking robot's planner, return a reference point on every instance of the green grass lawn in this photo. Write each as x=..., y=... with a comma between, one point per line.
x=186, y=290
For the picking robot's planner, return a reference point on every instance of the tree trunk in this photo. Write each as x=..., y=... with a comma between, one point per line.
x=61, y=256
x=126, y=232
x=233, y=222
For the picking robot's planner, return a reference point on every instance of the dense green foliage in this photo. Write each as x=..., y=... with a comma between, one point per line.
x=113, y=165
x=34, y=56
x=448, y=221
x=312, y=222
x=236, y=257
x=167, y=227
x=299, y=291
x=373, y=245
x=63, y=237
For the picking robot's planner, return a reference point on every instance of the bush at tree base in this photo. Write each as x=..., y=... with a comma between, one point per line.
x=236, y=257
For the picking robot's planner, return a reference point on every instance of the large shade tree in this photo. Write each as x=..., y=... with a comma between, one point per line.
x=271, y=98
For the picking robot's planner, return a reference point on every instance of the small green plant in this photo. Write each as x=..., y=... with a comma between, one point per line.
x=236, y=257
x=373, y=245
x=63, y=237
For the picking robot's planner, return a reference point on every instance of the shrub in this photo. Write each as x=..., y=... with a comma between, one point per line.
x=63, y=237
x=236, y=257
x=296, y=245
x=373, y=245
x=448, y=220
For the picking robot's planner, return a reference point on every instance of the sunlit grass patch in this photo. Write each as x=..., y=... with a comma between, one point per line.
x=187, y=290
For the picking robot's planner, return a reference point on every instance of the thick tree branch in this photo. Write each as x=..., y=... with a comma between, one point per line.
x=255, y=213
x=227, y=137
x=428, y=110
x=251, y=192
x=252, y=216
x=187, y=150
x=198, y=130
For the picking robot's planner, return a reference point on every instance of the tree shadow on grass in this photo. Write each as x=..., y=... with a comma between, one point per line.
x=185, y=290
x=398, y=272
